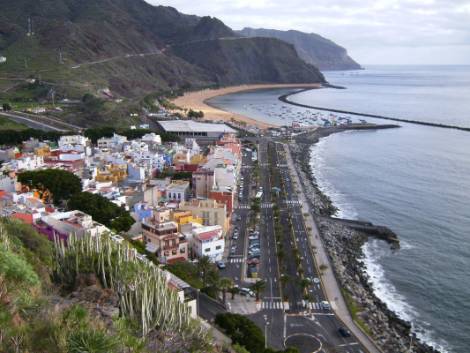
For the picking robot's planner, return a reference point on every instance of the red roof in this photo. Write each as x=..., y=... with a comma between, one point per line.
x=176, y=259
x=208, y=235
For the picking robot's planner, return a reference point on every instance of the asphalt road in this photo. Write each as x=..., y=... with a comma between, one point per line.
x=301, y=321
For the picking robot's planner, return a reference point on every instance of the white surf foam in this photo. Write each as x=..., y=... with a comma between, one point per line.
x=374, y=251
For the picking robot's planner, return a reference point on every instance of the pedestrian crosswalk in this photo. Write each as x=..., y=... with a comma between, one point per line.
x=310, y=305
x=274, y=304
x=243, y=207
x=266, y=205
x=293, y=202
x=235, y=260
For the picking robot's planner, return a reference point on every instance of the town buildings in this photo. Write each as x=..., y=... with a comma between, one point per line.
x=177, y=218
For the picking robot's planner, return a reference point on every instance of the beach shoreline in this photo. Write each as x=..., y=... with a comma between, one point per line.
x=198, y=101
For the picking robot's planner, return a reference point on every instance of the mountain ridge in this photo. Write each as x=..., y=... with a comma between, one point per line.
x=134, y=48
x=311, y=47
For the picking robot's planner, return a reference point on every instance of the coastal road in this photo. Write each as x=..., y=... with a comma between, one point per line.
x=307, y=231
x=309, y=322
x=300, y=320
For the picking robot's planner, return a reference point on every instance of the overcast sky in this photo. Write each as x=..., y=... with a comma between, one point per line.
x=373, y=31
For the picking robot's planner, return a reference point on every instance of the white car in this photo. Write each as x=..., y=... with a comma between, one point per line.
x=247, y=291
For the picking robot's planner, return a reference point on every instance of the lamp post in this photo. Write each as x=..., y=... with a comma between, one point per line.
x=266, y=333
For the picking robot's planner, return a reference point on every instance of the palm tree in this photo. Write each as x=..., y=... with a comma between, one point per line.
x=225, y=284
x=258, y=287
x=304, y=283
x=233, y=290
x=204, y=266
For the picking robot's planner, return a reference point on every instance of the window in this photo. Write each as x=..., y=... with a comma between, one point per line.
x=173, y=252
x=207, y=249
x=182, y=250
x=218, y=247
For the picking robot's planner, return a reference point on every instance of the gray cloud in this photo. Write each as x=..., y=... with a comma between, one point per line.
x=373, y=31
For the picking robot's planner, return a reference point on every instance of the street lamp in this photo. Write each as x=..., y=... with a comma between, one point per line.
x=266, y=335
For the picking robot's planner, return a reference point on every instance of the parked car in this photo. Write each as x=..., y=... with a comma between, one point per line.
x=316, y=280
x=344, y=332
x=221, y=264
x=235, y=236
x=246, y=292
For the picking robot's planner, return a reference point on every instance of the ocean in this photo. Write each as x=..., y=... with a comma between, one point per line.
x=415, y=179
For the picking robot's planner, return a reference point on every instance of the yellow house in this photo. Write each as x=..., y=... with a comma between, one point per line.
x=42, y=151
x=198, y=159
x=113, y=172
x=184, y=217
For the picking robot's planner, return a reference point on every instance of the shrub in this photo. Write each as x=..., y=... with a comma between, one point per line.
x=242, y=331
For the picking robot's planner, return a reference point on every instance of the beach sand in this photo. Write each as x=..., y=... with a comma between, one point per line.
x=197, y=101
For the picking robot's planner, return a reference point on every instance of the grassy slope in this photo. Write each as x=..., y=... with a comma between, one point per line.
x=7, y=124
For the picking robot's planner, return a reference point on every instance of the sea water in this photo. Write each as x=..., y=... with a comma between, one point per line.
x=415, y=179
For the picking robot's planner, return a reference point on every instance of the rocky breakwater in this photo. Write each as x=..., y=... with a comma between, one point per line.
x=344, y=239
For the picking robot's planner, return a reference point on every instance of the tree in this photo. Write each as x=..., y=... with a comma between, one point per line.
x=102, y=210
x=258, y=287
x=204, y=266
x=304, y=283
x=234, y=290
x=60, y=183
x=195, y=114
x=225, y=284
x=6, y=107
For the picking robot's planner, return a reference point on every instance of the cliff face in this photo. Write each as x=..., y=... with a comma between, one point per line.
x=240, y=60
x=312, y=48
x=133, y=47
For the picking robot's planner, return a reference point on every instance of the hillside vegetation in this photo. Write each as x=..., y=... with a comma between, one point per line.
x=78, y=299
x=132, y=48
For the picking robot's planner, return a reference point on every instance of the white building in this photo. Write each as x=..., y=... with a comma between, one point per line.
x=195, y=129
x=208, y=241
x=77, y=143
x=71, y=156
x=152, y=138
x=3, y=59
x=116, y=142
x=178, y=190
x=74, y=222
x=26, y=162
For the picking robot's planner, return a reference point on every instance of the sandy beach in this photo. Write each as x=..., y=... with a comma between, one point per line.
x=198, y=101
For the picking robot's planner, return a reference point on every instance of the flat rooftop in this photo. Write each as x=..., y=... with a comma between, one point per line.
x=194, y=126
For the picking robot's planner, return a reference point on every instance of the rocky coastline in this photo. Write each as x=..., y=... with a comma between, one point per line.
x=344, y=241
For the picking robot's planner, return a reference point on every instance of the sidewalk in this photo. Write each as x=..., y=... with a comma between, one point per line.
x=330, y=285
